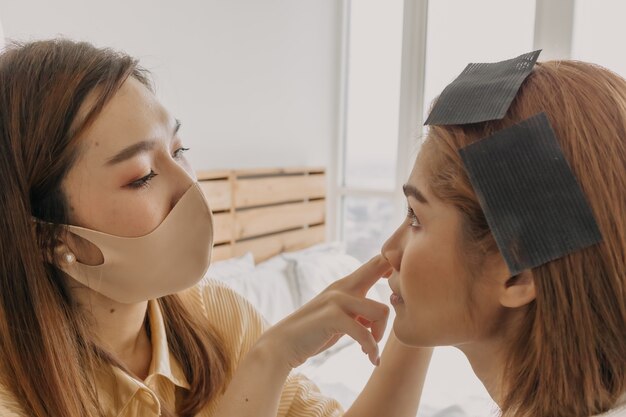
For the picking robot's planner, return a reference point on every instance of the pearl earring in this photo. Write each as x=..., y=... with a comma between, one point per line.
x=69, y=257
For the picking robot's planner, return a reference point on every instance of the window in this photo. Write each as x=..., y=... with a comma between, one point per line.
x=457, y=32
x=371, y=125
x=368, y=221
x=460, y=32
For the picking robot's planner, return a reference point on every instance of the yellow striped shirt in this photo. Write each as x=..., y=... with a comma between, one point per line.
x=240, y=326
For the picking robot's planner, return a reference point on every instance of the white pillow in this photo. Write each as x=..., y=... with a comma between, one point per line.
x=229, y=268
x=302, y=295
x=268, y=289
x=317, y=267
x=316, y=271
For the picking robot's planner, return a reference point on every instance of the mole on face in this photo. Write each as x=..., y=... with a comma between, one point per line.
x=112, y=310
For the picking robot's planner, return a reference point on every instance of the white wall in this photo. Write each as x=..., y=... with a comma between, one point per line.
x=599, y=32
x=255, y=83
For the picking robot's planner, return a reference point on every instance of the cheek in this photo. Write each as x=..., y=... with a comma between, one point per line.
x=487, y=312
x=125, y=213
x=138, y=214
x=436, y=297
x=429, y=271
x=102, y=203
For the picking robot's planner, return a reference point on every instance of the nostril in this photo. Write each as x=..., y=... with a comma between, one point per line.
x=392, y=256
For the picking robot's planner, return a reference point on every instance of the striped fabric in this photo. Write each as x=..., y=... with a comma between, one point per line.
x=240, y=325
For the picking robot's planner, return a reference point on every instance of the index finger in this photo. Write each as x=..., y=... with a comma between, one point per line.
x=367, y=275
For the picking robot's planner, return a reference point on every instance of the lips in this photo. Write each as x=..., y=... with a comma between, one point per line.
x=395, y=298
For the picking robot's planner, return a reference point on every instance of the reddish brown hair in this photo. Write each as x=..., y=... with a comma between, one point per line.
x=43, y=85
x=568, y=358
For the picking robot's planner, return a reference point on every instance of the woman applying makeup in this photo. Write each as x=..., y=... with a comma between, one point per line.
x=104, y=234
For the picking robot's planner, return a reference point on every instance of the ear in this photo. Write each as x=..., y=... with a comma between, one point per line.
x=75, y=248
x=518, y=290
x=514, y=291
x=62, y=254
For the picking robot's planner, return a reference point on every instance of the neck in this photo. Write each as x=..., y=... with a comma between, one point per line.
x=488, y=355
x=487, y=361
x=119, y=328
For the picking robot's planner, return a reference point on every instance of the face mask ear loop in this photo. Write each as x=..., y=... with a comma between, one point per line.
x=97, y=282
x=97, y=289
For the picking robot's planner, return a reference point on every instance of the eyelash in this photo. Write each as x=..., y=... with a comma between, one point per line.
x=415, y=222
x=179, y=152
x=144, y=181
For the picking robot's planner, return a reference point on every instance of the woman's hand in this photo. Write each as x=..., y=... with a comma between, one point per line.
x=340, y=309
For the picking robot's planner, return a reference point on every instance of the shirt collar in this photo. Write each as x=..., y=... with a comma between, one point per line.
x=163, y=361
x=117, y=389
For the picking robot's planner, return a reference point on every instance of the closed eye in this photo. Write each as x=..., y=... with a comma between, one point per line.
x=143, y=181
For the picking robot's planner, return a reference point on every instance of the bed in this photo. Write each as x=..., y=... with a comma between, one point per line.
x=265, y=211
x=271, y=247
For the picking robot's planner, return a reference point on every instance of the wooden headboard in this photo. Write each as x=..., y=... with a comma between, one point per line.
x=265, y=211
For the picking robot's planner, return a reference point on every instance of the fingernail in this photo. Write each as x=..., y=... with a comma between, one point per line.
x=378, y=361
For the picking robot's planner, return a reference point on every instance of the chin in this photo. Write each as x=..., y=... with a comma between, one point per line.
x=409, y=336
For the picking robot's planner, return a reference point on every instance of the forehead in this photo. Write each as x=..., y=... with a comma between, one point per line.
x=131, y=115
x=418, y=177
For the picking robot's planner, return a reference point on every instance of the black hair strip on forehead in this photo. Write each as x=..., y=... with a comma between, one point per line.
x=532, y=201
x=482, y=92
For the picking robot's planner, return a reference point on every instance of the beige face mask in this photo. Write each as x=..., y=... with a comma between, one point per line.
x=171, y=258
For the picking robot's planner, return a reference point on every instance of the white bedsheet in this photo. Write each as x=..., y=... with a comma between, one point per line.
x=344, y=374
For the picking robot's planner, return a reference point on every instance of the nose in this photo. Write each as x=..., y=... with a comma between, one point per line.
x=392, y=249
x=182, y=177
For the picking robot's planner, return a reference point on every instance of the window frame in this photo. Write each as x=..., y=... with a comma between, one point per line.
x=553, y=32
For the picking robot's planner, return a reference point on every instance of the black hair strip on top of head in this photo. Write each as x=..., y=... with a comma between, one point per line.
x=532, y=201
x=482, y=92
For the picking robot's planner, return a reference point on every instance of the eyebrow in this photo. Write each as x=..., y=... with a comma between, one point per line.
x=412, y=191
x=137, y=148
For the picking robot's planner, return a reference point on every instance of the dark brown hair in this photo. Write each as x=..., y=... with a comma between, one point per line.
x=43, y=331
x=568, y=358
